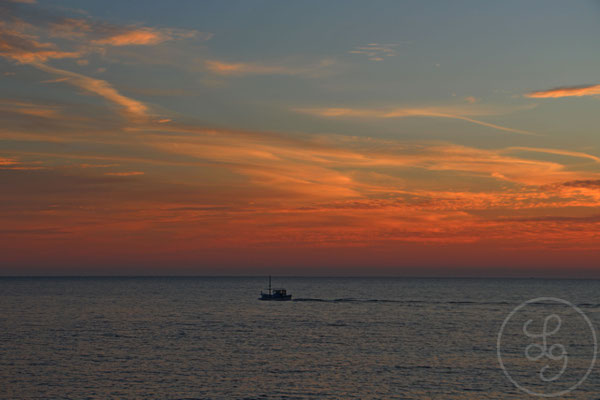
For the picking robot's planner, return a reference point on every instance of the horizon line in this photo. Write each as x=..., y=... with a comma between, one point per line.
x=58, y=276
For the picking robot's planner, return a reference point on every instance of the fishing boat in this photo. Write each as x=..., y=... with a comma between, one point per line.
x=274, y=294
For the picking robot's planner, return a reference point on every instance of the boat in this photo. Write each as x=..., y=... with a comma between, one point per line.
x=273, y=294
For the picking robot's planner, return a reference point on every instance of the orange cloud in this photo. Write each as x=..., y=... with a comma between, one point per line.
x=16, y=165
x=561, y=152
x=70, y=28
x=101, y=33
x=19, y=44
x=129, y=36
x=243, y=69
x=129, y=173
x=44, y=55
x=97, y=165
x=240, y=69
x=25, y=168
x=25, y=48
x=306, y=192
x=340, y=162
x=381, y=224
x=433, y=112
x=588, y=183
x=566, y=91
x=142, y=36
x=7, y=161
x=102, y=88
x=29, y=109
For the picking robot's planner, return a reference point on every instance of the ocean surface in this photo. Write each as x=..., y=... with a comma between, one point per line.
x=341, y=338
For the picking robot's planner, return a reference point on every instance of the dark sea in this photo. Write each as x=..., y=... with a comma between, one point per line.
x=340, y=338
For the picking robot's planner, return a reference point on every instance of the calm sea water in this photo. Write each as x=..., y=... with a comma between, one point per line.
x=210, y=338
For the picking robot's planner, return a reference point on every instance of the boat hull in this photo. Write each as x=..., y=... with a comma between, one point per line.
x=266, y=297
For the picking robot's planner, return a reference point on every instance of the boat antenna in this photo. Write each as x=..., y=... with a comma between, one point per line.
x=269, y=284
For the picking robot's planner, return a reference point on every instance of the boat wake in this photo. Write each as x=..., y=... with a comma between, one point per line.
x=415, y=302
x=350, y=300
x=430, y=302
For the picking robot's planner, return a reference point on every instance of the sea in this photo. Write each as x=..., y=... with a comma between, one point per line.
x=339, y=338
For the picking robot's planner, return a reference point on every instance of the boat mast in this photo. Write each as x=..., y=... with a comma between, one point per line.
x=269, y=284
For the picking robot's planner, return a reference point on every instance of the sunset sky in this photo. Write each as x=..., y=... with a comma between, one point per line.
x=310, y=137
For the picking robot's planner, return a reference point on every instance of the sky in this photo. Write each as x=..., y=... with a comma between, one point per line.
x=409, y=138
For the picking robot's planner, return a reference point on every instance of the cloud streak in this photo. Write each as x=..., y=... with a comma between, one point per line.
x=99, y=87
x=325, y=156
x=588, y=184
x=376, y=51
x=128, y=173
x=25, y=48
x=566, y=91
x=29, y=109
x=430, y=112
x=102, y=33
x=559, y=152
x=147, y=36
x=239, y=69
x=7, y=161
x=143, y=36
x=17, y=165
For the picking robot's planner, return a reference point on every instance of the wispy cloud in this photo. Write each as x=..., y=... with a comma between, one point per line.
x=17, y=165
x=102, y=33
x=97, y=165
x=7, y=161
x=26, y=48
x=376, y=51
x=29, y=109
x=585, y=183
x=21, y=41
x=128, y=173
x=328, y=190
x=100, y=87
x=18, y=43
x=566, y=91
x=459, y=113
x=555, y=151
x=143, y=36
x=339, y=158
x=238, y=69
x=148, y=36
x=333, y=157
